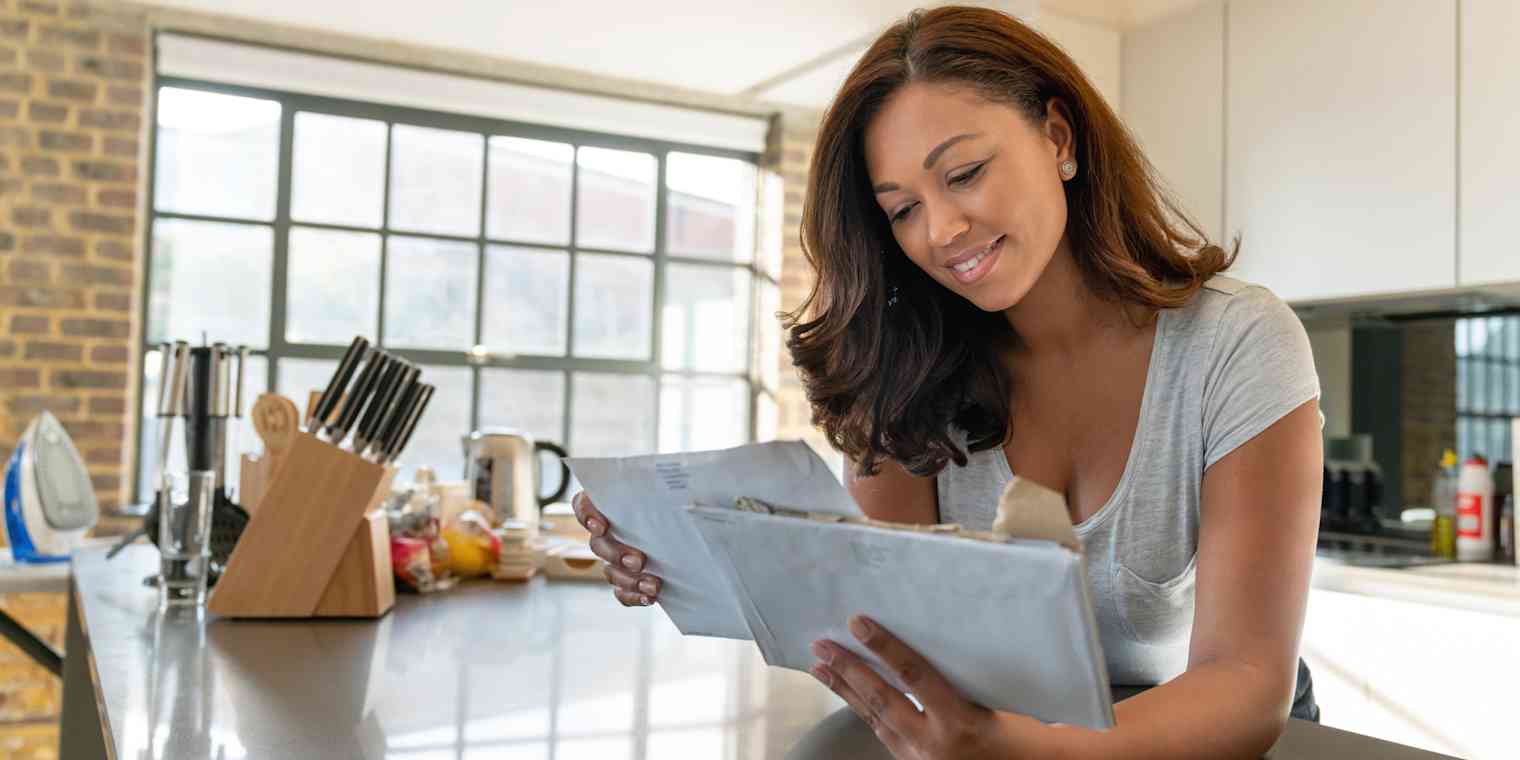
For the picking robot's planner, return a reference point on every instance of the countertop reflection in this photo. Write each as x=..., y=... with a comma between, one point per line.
x=555, y=670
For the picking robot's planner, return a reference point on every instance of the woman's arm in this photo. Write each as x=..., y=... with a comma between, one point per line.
x=893, y=495
x=1255, y=555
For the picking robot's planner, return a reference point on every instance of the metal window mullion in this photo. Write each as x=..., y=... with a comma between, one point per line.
x=575, y=255
x=477, y=373
x=385, y=235
x=147, y=253
x=280, y=279
x=657, y=300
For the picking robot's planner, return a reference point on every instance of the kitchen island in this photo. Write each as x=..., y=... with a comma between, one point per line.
x=544, y=669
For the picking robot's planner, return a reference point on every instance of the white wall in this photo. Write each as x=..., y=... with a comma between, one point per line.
x=1094, y=46
x=1331, y=344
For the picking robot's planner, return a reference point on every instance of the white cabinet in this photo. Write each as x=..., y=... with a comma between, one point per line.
x=1490, y=142
x=1340, y=148
x=1173, y=85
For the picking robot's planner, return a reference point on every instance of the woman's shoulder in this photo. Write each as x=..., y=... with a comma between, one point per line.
x=1226, y=307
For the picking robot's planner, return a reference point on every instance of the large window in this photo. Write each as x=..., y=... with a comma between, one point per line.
x=594, y=290
x=1488, y=386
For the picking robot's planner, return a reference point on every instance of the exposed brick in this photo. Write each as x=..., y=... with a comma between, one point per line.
x=104, y=171
x=59, y=193
x=105, y=482
x=72, y=89
x=10, y=109
x=123, y=121
x=39, y=166
x=7, y=241
x=11, y=186
x=31, y=404
x=31, y=270
x=87, y=378
x=7, y=348
x=95, y=328
x=52, y=139
x=131, y=97
x=15, y=137
x=39, y=7
x=26, y=216
x=53, y=351
x=107, y=405
x=109, y=355
x=53, y=245
x=107, y=455
x=114, y=250
x=130, y=45
x=19, y=377
x=55, y=298
x=108, y=432
x=83, y=39
x=116, y=198
x=108, y=68
x=87, y=274
x=46, y=61
x=47, y=113
x=107, y=300
x=112, y=224
x=15, y=28
x=121, y=147
x=30, y=324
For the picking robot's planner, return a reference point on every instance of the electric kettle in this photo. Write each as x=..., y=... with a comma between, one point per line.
x=501, y=468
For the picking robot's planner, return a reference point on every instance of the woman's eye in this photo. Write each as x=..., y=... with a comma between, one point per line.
x=902, y=213
x=961, y=179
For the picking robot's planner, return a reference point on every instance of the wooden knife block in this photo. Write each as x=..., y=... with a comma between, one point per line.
x=318, y=544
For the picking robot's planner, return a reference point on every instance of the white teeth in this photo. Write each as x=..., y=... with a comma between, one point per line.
x=970, y=264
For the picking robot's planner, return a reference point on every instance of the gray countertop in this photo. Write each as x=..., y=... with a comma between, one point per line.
x=546, y=669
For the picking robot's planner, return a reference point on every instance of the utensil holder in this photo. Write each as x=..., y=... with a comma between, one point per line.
x=317, y=545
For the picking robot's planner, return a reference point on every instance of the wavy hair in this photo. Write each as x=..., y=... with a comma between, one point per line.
x=888, y=381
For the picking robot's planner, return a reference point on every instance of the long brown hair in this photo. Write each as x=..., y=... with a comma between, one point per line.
x=888, y=380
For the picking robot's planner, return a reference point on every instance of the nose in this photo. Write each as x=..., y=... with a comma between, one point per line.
x=946, y=224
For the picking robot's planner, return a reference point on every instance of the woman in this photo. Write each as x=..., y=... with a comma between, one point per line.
x=1002, y=285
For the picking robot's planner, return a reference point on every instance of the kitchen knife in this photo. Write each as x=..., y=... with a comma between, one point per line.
x=395, y=419
x=419, y=405
x=237, y=399
x=322, y=411
x=385, y=394
x=364, y=386
x=165, y=366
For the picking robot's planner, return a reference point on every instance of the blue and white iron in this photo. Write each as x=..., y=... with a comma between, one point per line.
x=49, y=499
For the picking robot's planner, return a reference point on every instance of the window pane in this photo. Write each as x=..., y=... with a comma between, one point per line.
x=1514, y=338
x=1514, y=390
x=768, y=351
x=430, y=293
x=527, y=308
x=700, y=413
x=710, y=209
x=611, y=415
x=532, y=401
x=614, y=296
x=295, y=379
x=615, y=200
x=216, y=154
x=773, y=228
x=529, y=196
x=435, y=180
x=338, y=170
x=210, y=277
x=706, y=318
x=438, y=440
x=1477, y=385
x=241, y=438
x=1495, y=386
x=767, y=417
x=1461, y=328
x=334, y=286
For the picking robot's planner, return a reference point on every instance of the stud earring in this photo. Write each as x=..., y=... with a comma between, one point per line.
x=1068, y=169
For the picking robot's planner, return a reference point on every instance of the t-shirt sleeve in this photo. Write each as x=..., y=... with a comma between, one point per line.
x=1261, y=368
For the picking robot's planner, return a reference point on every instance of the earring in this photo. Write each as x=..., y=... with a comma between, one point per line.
x=1068, y=169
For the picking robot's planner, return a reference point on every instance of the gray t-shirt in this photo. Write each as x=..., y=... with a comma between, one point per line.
x=1224, y=367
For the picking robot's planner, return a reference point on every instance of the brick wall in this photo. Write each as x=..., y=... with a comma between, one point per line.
x=1429, y=403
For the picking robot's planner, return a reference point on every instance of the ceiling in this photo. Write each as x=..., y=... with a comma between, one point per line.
x=791, y=52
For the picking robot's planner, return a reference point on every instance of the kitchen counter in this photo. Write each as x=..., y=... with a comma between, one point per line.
x=1480, y=587
x=537, y=670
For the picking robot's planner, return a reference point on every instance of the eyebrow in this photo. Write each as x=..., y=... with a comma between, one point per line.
x=887, y=187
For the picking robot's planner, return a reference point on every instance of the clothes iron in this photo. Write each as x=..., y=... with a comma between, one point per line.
x=49, y=499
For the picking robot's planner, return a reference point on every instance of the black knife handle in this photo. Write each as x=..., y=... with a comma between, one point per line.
x=369, y=377
x=385, y=393
x=396, y=420
x=318, y=415
x=418, y=407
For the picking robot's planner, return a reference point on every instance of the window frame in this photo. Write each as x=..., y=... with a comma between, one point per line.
x=1498, y=405
x=278, y=349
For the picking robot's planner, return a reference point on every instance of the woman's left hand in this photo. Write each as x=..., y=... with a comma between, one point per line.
x=950, y=726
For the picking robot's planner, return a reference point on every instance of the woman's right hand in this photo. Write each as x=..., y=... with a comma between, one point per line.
x=625, y=564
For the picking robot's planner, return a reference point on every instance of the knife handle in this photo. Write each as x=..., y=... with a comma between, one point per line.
x=419, y=405
x=369, y=377
x=385, y=393
x=165, y=366
x=390, y=430
x=318, y=414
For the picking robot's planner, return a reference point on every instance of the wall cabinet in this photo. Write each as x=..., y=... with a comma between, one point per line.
x=1489, y=214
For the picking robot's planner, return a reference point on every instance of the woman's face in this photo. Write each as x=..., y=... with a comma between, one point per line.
x=971, y=188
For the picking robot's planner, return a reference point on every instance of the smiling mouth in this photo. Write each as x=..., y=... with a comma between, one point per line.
x=973, y=268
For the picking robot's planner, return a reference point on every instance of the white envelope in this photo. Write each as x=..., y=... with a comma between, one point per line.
x=1010, y=625
x=645, y=498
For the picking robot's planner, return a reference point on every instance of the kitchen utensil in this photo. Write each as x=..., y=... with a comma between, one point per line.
x=501, y=465
x=320, y=413
x=364, y=386
x=414, y=414
x=395, y=417
x=390, y=384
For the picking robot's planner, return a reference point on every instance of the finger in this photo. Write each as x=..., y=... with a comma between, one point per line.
x=921, y=679
x=587, y=514
x=617, y=553
x=885, y=732
x=632, y=598
x=879, y=697
x=649, y=585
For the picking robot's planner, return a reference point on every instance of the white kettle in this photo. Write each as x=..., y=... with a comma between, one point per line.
x=502, y=467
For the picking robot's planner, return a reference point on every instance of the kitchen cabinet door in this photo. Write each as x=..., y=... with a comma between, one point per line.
x=1173, y=85
x=1490, y=143
x=1340, y=124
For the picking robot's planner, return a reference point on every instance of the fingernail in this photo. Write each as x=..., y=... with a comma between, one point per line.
x=595, y=526
x=631, y=561
x=861, y=627
x=822, y=674
x=823, y=652
x=646, y=601
x=646, y=586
